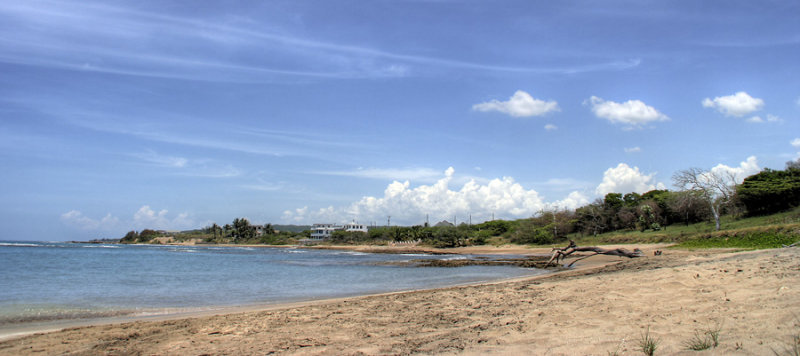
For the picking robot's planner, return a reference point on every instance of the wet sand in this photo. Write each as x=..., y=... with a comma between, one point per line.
x=602, y=307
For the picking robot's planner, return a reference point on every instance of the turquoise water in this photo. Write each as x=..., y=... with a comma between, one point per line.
x=42, y=281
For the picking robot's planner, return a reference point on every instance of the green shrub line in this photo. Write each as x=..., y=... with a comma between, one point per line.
x=759, y=232
x=748, y=238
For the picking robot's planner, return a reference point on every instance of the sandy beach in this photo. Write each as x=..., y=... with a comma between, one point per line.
x=603, y=307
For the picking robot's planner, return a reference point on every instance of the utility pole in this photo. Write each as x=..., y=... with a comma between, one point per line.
x=388, y=220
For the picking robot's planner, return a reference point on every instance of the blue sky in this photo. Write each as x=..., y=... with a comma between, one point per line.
x=121, y=115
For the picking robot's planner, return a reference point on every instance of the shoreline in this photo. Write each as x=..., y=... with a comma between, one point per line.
x=38, y=327
x=752, y=296
x=27, y=329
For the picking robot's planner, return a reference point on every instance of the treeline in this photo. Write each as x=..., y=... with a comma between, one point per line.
x=145, y=236
x=704, y=196
x=239, y=231
x=437, y=236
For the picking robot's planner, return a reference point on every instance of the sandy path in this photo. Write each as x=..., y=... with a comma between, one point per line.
x=754, y=295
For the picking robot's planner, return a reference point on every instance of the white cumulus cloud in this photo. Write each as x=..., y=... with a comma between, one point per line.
x=796, y=142
x=550, y=127
x=633, y=149
x=76, y=219
x=760, y=120
x=746, y=168
x=295, y=216
x=738, y=105
x=633, y=113
x=501, y=197
x=521, y=104
x=147, y=218
x=624, y=179
x=144, y=218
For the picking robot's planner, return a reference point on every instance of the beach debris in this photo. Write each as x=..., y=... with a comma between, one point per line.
x=561, y=253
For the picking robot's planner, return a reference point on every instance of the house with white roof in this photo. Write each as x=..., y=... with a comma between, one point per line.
x=325, y=231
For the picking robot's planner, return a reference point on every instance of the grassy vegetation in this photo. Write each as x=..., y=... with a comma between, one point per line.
x=648, y=344
x=760, y=232
x=752, y=238
x=704, y=339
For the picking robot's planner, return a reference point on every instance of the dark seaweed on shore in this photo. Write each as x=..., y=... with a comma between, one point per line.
x=528, y=262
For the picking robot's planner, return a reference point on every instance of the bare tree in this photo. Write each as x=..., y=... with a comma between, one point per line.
x=793, y=164
x=687, y=204
x=716, y=188
x=592, y=217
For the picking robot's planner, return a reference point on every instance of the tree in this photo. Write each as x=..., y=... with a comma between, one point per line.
x=448, y=237
x=686, y=205
x=632, y=199
x=661, y=198
x=793, y=164
x=242, y=230
x=533, y=231
x=147, y=235
x=214, y=229
x=715, y=188
x=130, y=238
x=649, y=216
x=770, y=191
x=591, y=218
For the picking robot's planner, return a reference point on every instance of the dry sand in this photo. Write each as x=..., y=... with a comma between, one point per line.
x=754, y=297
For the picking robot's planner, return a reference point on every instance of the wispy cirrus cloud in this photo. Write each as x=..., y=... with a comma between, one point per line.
x=415, y=174
x=153, y=157
x=201, y=132
x=147, y=43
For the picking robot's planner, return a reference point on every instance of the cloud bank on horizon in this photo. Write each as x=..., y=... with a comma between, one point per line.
x=499, y=198
x=170, y=115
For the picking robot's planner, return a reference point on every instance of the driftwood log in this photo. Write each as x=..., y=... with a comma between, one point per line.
x=560, y=254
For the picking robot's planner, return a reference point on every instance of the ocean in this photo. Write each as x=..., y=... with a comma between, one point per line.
x=55, y=281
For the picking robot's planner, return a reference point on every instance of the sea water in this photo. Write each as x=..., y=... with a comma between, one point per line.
x=44, y=281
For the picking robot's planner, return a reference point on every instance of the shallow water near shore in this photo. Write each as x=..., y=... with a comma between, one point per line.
x=48, y=281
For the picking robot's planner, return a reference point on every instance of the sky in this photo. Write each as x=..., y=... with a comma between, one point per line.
x=124, y=115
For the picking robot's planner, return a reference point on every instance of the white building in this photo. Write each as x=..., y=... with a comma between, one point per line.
x=355, y=227
x=324, y=231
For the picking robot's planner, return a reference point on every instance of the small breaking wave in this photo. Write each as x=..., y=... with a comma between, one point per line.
x=100, y=246
x=20, y=244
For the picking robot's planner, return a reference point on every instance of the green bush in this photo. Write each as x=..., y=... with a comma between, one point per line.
x=770, y=191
